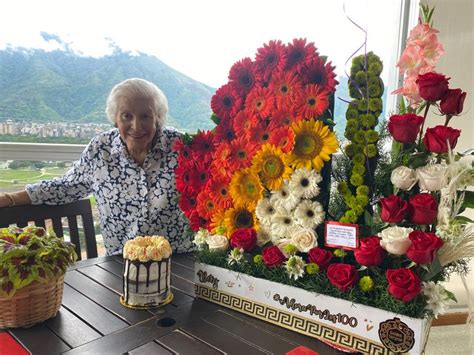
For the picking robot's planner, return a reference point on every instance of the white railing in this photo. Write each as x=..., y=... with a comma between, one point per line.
x=40, y=151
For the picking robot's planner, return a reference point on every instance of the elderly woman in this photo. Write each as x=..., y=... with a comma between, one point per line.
x=129, y=170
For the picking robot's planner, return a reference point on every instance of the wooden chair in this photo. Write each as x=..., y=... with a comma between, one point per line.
x=39, y=214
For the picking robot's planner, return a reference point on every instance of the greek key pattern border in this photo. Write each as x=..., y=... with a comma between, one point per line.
x=290, y=321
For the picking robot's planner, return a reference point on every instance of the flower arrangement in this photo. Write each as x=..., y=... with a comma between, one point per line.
x=255, y=188
x=31, y=254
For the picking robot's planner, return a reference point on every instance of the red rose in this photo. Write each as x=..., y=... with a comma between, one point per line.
x=393, y=209
x=343, y=276
x=319, y=256
x=405, y=128
x=438, y=139
x=369, y=252
x=452, y=102
x=423, y=247
x=403, y=284
x=423, y=208
x=432, y=86
x=245, y=238
x=272, y=256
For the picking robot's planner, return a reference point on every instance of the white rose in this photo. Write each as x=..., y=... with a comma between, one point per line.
x=395, y=240
x=432, y=177
x=304, y=239
x=217, y=242
x=403, y=178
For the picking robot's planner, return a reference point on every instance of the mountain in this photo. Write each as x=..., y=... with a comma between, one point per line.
x=41, y=86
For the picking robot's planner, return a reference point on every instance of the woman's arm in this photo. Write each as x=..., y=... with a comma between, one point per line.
x=17, y=198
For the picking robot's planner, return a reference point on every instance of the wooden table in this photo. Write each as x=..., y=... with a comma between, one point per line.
x=92, y=321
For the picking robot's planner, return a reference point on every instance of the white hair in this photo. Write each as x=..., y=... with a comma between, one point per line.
x=136, y=87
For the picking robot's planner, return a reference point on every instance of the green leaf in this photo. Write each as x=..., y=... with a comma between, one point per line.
x=463, y=220
x=434, y=269
x=215, y=119
x=468, y=200
x=402, y=107
x=396, y=149
x=451, y=295
x=412, y=264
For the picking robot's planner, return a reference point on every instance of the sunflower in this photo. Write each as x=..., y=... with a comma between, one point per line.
x=245, y=188
x=260, y=102
x=242, y=76
x=242, y=124
x=312, y=101
x=284, y=138
x=309, y=214
x=226, y=102
x=269, y=59
x=241, y=153
x=205, y=204
x=285, y=86
x=304, y=183
x=299, y=52
x=239, y=217
x=314, y=143
x=270, y=164
x=320, y=73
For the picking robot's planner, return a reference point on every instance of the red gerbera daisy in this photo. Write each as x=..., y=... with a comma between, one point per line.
x=283, y=137
x=185, y=178
x=201, y=175
x=184, y=150
x=259, y=102
x=224, y=131
x=320, y=73
x=205, y=204
x=219, y=191
x=203, y=145
x=242, y=124
x=269, y=59
x=262, y=132
x=241, y=153
x=196, y=222
x=299, y=52
x=284, y=117
x=285, y=86
x=312, y=102
x=187, y=203
x=242, y=76
x=226, y=102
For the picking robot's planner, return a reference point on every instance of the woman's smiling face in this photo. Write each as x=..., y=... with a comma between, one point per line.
x=136, y=122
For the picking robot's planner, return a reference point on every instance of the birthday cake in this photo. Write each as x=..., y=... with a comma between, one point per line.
x=147, y=272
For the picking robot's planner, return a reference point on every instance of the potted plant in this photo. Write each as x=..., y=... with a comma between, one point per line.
x=32, y=267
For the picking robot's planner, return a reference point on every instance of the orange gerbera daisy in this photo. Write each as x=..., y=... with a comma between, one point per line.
x=241, y=153
x=284, y=117
x=312, y=102
x=206, y=206
x=220, y=165
x=259, y=102
x=262, y=132
x=284, y=138
x=242, y=124
x=219, y=191
x=217, y=224
x=285, y=86
x=242, y=76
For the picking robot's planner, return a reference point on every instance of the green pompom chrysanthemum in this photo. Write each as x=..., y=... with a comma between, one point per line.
x=366, y=283
x=312, y=268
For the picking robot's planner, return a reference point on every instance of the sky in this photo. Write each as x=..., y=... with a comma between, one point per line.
x=202, y=38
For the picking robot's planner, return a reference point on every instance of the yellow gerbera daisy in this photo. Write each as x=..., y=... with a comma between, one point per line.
x=314, y=144
x=239, y=217
x=271, y=165
x=245, y=188
x=218, y=222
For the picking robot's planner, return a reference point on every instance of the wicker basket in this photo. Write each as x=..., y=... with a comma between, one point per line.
x=32, y=304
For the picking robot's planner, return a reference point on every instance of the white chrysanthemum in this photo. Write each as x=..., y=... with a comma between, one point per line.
x=304, y=183
x=265, y=211
x=437, y=298
x=200, y=238
x=235, y=256
x=295, y=267
x=283, y=198
x=283, y=224
x=309, y=214
x=263, y=235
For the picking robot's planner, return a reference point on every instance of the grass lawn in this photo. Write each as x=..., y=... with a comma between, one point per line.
x=13, y=180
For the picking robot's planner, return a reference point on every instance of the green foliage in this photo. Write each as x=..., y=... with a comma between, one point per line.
x=31, y=254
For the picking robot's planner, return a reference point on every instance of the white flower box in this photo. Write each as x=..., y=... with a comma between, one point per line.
x=333, y=320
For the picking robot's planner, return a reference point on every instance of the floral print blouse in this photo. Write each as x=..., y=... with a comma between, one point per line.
x=132, y=200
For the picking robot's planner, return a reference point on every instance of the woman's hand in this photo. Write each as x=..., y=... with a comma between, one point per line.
x=9, y=199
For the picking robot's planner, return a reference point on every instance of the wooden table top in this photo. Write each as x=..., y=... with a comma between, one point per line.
x=92, y=320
